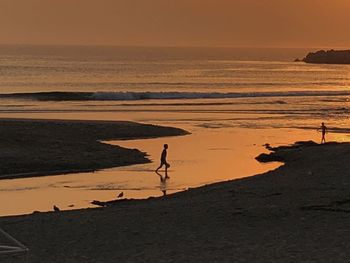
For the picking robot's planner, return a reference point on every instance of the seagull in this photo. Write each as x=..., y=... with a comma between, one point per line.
x=120, y=195
x=56, y=209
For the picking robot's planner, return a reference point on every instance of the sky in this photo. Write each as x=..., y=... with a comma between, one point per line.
x=233, y=23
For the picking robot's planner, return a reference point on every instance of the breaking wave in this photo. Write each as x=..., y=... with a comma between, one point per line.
x=136, y=96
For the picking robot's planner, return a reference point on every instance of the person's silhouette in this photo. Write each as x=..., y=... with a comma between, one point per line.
x=323, y=130
x=163, y=161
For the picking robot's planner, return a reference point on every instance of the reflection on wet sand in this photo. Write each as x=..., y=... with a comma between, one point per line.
x=205, y=157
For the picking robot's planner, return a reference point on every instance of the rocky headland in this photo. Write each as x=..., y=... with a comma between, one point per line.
x=328, y=57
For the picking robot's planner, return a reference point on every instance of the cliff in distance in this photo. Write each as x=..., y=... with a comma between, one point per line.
x=328, y=57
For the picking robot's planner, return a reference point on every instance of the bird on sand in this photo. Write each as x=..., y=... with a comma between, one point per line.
x=120, y=195
x=56, y=209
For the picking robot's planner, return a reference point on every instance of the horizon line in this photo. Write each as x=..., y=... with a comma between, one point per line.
x=166, y=46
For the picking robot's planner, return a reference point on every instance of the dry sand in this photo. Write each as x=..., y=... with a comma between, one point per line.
x=297, y=213
x=44, y=147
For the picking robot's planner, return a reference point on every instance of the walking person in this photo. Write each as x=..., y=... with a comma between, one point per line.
x=323, y=130
x=163, y=160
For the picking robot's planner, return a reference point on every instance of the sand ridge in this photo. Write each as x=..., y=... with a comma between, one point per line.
x=35, y=147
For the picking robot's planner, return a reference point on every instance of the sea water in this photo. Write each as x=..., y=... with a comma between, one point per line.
x=231, y=100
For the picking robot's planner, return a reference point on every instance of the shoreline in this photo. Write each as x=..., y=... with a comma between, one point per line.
x=38, y=147
x=296, y=213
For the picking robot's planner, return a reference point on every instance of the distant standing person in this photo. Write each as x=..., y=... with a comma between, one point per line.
x=163, y=161
x=323, y=130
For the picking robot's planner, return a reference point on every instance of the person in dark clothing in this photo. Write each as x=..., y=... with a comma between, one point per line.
x=323, y=130
x=163, y=161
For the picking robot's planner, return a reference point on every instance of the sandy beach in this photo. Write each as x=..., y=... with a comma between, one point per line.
x=297, y=213
x=174, y=131
x=32, y=147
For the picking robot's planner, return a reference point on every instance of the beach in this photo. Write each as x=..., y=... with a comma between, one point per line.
x=205, y=156
x=81, y=125
x=174, y=131
x=32, y=147
x=296, y=213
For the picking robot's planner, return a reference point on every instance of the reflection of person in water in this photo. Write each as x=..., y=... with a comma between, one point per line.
x=323, y=130
x=163, y=161
x=163, y=184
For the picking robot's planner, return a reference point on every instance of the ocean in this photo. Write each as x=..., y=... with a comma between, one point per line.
x=232, y=100
x=226, y=81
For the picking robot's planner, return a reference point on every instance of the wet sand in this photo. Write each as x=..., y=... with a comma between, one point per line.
x=296, y=213
x=204, y=157
x=32, y=147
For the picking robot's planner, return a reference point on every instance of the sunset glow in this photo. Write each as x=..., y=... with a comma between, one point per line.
x=288, y=23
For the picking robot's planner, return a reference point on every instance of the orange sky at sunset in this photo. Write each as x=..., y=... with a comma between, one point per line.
x=282, y=23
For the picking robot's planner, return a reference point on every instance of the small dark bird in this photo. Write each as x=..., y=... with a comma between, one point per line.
x=56, y=209
x=120, y=195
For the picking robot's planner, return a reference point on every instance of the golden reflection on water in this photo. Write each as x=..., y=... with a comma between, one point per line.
x=206, y=156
